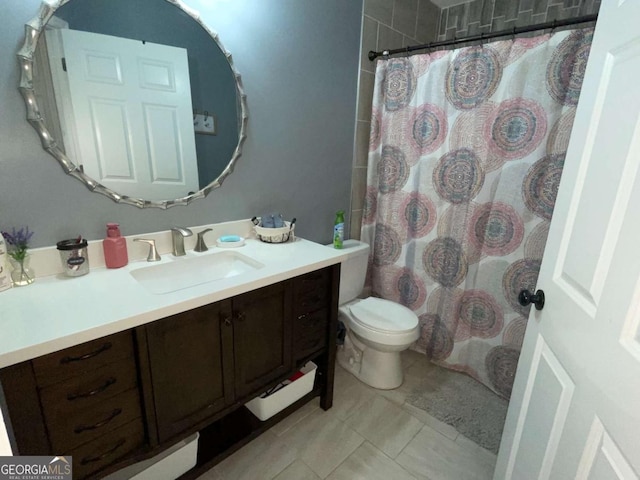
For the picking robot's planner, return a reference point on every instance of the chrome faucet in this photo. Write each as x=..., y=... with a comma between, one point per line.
x=177, y=236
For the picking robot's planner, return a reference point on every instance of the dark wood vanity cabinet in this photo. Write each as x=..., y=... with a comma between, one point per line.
x=191, y=377
x=126, y=397
x=261, y=326
x=312, y=293
x=83, y=401
x=202, y=360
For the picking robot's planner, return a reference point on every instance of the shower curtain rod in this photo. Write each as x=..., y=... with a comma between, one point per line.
x=486, y=36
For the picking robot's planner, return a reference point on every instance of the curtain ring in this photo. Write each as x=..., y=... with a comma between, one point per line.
x=429, y=47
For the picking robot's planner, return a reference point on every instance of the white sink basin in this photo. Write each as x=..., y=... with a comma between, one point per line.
x=188, y=272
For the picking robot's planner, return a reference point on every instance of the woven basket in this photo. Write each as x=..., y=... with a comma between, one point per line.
x=275, y=235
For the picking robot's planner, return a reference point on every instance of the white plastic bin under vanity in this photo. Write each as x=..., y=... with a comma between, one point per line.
x=265, y=408
x=168, y=465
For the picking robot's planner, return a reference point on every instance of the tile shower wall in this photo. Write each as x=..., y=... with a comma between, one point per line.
x=386, y=24
x=481, y=16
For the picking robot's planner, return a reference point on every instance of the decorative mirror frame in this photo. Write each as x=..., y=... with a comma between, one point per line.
x=33, y=30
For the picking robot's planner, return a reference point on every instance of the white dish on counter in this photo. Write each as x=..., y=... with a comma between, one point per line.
x=227, y=244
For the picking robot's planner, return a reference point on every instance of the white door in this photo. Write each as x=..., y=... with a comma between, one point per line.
x=575, y=406
x=129, y=106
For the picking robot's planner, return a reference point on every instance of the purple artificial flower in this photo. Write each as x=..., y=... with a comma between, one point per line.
x=18, y=242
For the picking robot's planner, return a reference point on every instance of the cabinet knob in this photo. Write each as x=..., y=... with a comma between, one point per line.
x=241, y=316
x=227, y=321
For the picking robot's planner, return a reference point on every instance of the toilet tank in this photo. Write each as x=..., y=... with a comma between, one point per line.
x=353, y=270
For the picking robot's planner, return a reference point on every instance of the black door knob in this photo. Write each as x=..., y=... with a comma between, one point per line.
x=526, y=297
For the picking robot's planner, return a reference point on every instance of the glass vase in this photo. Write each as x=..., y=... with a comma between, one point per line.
x=21, y=274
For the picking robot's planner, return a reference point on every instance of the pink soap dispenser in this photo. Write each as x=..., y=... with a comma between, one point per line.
x=115, y=247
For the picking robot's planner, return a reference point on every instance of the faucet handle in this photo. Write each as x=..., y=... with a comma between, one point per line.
x=153, y=253
x=200, y=245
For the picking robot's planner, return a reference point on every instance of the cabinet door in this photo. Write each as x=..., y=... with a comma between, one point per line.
x=188, y=367
x=261, y=337
x=312, y=313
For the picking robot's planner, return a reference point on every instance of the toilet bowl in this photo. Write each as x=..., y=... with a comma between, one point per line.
x=377, y=329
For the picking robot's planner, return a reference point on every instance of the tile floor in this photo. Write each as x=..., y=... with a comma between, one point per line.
x=368, y=434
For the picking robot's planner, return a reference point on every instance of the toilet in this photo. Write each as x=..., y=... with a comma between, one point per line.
x=377, y=330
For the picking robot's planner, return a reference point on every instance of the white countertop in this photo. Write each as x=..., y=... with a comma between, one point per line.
x=57, y=312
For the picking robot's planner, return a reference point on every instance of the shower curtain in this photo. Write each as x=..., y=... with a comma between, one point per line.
x=466, y=153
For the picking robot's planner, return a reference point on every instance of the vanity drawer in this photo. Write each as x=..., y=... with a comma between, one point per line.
x=89, y=390
x=312, y=291
x=310, y=332
x=77, y=360
x=106, y=449
x=70, y=431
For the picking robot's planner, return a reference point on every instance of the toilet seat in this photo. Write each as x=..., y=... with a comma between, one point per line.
x=381, y=322
x=383, y=316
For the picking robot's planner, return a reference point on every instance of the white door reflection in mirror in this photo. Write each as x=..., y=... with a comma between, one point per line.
x=130, y=115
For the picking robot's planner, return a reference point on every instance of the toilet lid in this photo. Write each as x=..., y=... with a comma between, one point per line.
x=383, y=315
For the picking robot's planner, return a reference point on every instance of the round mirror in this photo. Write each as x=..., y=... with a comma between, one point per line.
x=138, y=100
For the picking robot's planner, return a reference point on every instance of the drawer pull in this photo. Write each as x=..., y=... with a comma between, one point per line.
x=110, y=381
x=303, y=316
x=84, y=428
x=86, y=356
x=97, y=458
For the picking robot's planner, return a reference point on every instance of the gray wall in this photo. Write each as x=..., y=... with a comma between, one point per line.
x=493, y=15
x=299, y=63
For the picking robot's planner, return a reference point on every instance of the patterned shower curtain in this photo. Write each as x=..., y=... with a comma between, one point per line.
x=466, y=153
